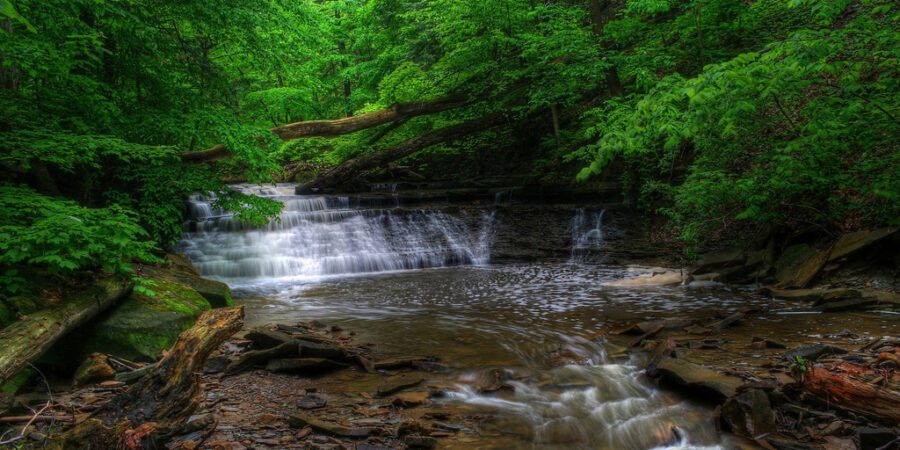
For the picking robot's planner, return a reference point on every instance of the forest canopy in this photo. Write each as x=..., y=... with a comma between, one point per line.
x=716, y=114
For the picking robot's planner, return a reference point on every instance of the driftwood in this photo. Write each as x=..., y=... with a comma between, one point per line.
x=330, y=128
x=159, y=404
x=26, y=340
x=840, y=389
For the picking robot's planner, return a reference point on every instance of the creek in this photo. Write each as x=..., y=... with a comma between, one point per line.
x=421, y=281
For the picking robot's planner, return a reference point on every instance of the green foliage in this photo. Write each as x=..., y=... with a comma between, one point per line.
x=800, y=132
x=63, y=236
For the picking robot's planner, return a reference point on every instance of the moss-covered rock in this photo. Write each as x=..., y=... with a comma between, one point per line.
x=179, y=269
x=143, y=325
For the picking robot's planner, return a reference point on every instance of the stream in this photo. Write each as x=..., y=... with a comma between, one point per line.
x=421, y=282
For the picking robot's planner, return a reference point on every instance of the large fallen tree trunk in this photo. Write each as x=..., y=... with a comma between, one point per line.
x=26, y=340
x=349, y=169
x=159, y=404
x=840, y=389
x=337, y=127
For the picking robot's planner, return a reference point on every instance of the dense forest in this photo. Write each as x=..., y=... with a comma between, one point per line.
x=715, y=113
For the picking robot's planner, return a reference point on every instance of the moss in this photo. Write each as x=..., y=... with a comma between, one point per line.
x=16, y=382
x=6, y=315
x=142, y=326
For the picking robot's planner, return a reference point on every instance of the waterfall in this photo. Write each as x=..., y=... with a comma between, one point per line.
x=587, y=232
x=319, y=235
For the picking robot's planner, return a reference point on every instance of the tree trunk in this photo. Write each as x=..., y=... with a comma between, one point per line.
x=159, y=404
x=351, y=168
x=26, y=340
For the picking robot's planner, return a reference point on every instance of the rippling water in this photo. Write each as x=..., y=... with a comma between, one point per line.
x=420, y=283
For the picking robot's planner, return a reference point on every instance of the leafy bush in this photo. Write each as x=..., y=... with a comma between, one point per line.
x=64, y=237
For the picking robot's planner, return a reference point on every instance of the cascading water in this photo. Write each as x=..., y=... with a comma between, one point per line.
x=587, y=232
x=322, y=235
x=472, y=316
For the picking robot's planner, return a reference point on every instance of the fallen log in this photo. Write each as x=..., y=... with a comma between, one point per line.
x=402, y=111
x=26, y=340
x=349, y=169
x=840, y=389
x=160, y=403
x=337, y=127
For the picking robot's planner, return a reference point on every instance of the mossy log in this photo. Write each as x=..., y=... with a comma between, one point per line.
x=26, y=340
x=337, y=127
x=158, y=405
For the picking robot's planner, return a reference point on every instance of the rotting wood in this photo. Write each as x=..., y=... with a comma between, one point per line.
x=165, y=398
x=26, y=340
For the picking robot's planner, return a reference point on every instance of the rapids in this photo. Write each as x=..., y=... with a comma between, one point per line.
x=420, y=282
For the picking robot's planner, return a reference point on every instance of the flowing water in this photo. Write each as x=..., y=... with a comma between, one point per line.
x=420, y=282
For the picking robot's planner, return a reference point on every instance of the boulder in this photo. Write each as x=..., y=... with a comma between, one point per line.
x=309, y=349
x=798, y=265
x=853, y=242
x=749, y=414
x=813, y=352
x=95, y=367
x=715, y=261
x=141, y=326
x=693, y=376
x=397, y=384
x=179, y=269
x=300, y=420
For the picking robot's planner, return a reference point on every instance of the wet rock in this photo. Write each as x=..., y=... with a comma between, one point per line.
x=799, y=265
x=698, y=330
x=812, y=295
x=762, y=343
x=414, y=441
x=216, y=364
x=659, y=353
x=706, y=344
x=300, y=420
x=398, y=363
x=728, y=321
x=264, y=338
x=250, y=359
x=714, y=261
x=813, y=352
x=310, y=349
x=853, y=242
x=312, y=401
x=411, y=399
x=95, y=367
x=412, y=426
x=488, y=380
x=307, y=365
x=397, y=384
x=697, y=377
x=875, y=438
x=197, y=423
x=749, y=414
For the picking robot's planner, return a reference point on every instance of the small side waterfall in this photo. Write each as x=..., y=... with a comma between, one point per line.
x=324, y=235
x=587, y=232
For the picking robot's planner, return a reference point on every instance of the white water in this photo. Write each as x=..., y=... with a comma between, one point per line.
x=317, y=236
